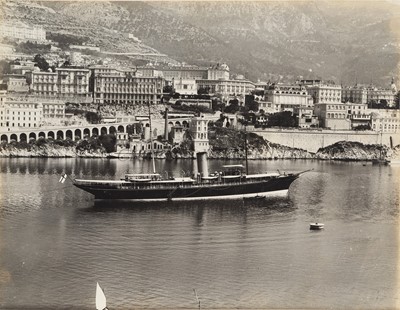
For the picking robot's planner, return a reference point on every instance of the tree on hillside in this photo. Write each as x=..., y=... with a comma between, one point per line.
x=282, y=119
x=217, y=105
x=65, y=40
x=378, y=104
x=41, y=62
x=252, y=106
x=233, y=106
x=32, y=48
x=93, y=117
x=203, y=90
x=363, y=127
x=108, y=142
x=168, y=89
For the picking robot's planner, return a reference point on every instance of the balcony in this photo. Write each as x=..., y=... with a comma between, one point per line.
x=360, y=116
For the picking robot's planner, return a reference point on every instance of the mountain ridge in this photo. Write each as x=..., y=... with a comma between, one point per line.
x=340, y=41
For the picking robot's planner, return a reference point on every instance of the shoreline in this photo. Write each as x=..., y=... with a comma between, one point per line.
x=108, y=157
x=189, y=158
x=258, y=149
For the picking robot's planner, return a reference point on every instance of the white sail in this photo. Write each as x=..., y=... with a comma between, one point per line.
x=100, y=298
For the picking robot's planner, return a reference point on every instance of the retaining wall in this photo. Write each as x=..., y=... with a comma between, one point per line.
x=312, y=140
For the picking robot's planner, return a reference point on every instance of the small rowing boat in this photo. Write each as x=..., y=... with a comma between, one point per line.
x=316, y=226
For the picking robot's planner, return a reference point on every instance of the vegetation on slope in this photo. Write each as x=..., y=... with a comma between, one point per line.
x=347, y=150
x=96, y=146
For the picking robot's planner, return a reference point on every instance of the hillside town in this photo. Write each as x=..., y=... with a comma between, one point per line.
x=74, y=86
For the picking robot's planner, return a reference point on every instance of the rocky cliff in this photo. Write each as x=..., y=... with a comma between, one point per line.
x=51, y=148
x=229, y=143
x=345, y=150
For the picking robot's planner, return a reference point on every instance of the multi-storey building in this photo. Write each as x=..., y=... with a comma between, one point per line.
x=64, y=83
x=149, y=71
x=293, y=98
x=22, y=67
x=324, y=93
x=186, y=73
x=342, y=115
x=30, y=111
x=355, y=94
x=358, y=113
x=288, y=97
x=269, y=107
x=306, y=117
x=184, y=87
x=54, y=109
x=20, y=113
x=73, y=82
x=16, y=83
x=385, y=120
x=333, y=116
x=112, y=85
x=262, y=85
x=362, y=93
x=379, y=95
x=43, y=83
x=23, y=32
x=215, y=72
x=218, y=72
x=309, y=82
x=227, y=89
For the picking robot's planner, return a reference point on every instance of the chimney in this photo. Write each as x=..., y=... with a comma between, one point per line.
x=202, y=163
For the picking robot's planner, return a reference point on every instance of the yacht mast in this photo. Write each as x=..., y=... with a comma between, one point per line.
x=151, y=140
x=245, y=148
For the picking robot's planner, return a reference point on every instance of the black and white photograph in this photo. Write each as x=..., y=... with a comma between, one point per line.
x=200, y=155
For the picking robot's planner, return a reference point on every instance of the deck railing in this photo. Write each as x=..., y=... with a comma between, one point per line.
x=133, y=185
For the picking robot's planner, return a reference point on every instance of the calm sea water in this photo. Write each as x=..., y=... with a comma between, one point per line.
x=56, y=243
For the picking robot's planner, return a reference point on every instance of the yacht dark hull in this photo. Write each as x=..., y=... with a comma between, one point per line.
x=277, y=186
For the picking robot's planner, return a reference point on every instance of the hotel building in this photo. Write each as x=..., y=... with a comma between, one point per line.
x=288, y=97
x=73, y=82
x=43, y=83
x=355, y=94
x=324, y=93
x=185, y=73
x=227, y=89
x=16, y=114
x=111, y=85
x=367, y=94
x=380, y=94
x=19, y=111
x=64, y=83
x=23, y=32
